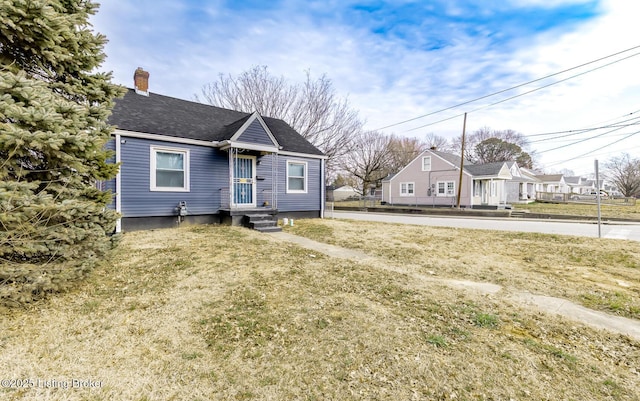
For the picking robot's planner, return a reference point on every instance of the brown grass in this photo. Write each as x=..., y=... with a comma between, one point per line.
x=575, y=209
x=226, y=313
x=599, y=273
x=631, y=212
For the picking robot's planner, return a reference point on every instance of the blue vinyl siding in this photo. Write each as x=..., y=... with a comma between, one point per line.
x=255, y=134
x=209, y=180
x=295, y=202
x=208, y=170
x=264, y=179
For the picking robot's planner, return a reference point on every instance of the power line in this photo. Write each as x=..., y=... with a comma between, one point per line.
x=591, y=152
x=580, y=141
x=559, y=139
x=525, y=93
x=508, y=89
x=585, y=129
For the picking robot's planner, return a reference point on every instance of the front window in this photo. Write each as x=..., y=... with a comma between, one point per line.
x=169, y=170
x=476, y=188
x=446, y=188
x=426, y=163
x=407, y=189
x=296, y=177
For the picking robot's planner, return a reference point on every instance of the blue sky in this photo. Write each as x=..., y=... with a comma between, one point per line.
x=396, y=60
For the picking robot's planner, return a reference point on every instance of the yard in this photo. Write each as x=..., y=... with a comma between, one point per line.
x=576, y=209
x=214, y=312
x=631, y=211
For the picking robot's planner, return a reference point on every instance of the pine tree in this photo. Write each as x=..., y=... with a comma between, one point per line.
x=54, y=221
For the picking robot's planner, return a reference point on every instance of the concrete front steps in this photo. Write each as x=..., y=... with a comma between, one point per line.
x=265, y=223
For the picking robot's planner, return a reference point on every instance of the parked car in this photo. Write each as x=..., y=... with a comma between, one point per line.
x=590, y=196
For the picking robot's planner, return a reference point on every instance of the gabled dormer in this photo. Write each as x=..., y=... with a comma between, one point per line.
x=253, y=133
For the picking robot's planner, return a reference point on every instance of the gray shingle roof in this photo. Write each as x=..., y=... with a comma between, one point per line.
x=572, y=179
x=451, y=158
x=550, y=177
x=164, y=115
x=484, y=169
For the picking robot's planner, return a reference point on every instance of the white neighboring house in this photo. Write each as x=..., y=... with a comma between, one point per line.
x=521, y=187
x=530, y=183
x=345, y=192
x=554, y=183
x=490, y=183
x=579, y=185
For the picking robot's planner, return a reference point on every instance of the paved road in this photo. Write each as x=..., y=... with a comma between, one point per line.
x=628, y=231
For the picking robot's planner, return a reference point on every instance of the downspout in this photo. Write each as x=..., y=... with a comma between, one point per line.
x=118, y=185
x=231, y=149
x=430, y=191
x=323, y=196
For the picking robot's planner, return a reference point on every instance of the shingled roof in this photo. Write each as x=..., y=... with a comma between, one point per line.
x=485, y=169
x=164, y=115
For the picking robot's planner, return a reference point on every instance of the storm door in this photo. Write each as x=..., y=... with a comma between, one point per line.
x=244, y=178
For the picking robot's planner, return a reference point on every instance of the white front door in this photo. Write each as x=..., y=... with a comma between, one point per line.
x=244, y=179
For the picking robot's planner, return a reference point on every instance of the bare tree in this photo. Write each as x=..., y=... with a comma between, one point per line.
x=368, y=160
x=403, y=150
x=624, y=172
x=567, y=172
x=311, y=108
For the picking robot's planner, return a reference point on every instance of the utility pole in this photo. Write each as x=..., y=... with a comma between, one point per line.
x=464, y=128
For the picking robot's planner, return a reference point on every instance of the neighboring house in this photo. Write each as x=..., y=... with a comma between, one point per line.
x=592, y=185
x=490, y=183
x=432, y=179
x=578, y=185
x=518, y=186
x=186, y=160
x=552, y=183
x=530, y=184
x=345, y=192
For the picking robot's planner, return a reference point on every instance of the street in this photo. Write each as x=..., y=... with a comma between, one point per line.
x=627, y=231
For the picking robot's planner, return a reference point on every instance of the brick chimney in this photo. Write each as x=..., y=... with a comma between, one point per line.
x=141, y=81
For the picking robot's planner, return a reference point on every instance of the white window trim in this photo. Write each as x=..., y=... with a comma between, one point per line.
x=445, y=183
x=413, y=189
x=306, y=175
x=423, y=158
x=152, y=169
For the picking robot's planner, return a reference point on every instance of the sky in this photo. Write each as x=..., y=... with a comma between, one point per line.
x=399, y=60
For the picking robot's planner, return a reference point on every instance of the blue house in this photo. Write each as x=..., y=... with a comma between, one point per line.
x=183, y=161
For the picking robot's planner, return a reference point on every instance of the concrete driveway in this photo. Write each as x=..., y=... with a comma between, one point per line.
x=626, y=231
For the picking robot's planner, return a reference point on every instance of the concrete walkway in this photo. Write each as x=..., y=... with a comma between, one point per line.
x=558, y=306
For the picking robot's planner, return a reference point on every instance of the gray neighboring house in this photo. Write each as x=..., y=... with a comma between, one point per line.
x=187, y=161
x=432, y=179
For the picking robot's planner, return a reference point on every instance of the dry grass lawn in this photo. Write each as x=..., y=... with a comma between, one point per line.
x=576, y=209
x=211, y=312
x=631, y=212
